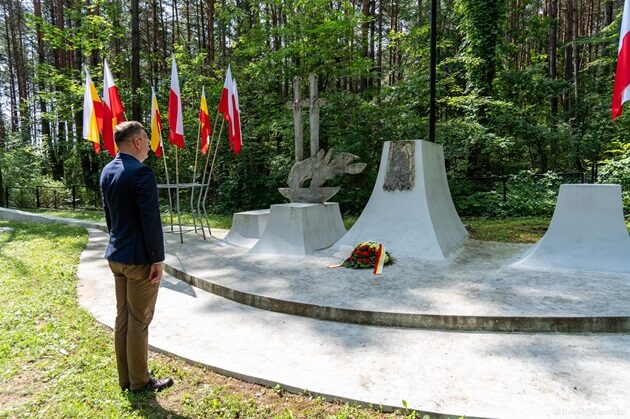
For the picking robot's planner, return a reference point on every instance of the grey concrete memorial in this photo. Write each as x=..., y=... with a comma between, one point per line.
x=410, y=210
x=309, y=222
x=587, y=233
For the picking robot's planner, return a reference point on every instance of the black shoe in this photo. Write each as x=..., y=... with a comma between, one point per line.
x=155, y=385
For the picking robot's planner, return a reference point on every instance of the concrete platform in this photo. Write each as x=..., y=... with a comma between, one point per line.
x=474, y=290
x=444, y=373
x=473, y=374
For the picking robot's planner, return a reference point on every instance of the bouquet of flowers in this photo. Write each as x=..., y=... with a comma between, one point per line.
x=364, y=256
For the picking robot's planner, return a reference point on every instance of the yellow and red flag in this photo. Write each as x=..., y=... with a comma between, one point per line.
x=175, y=112
x=113, y=110
x=156, y=126
x=92, y=113
x=204, y=121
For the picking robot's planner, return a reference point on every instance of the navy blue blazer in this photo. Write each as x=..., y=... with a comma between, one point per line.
x=132, y=212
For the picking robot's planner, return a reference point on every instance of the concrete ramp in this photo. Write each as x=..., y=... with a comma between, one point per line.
x=587, y=232
x=247, y=227
x=411, y=210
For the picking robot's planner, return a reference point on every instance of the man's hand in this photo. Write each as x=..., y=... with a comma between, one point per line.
x=155, y=274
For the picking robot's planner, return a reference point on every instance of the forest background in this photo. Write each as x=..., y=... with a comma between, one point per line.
x=523, y=90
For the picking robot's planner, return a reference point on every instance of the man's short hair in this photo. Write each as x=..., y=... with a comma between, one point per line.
x=125, y=131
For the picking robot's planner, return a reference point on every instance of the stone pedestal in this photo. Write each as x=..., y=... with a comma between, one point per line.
x=411, y=210
x=587, y=232
x=247, y=227
x=300, y=229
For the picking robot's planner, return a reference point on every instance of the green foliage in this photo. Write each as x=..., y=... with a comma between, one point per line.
x=494, y=90
x=531, y=194
x=512, y=230
x=483, y=23
x=526, y=194
x=617, y=171
x=22, y=166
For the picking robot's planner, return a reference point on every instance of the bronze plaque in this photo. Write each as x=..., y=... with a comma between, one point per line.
x=400, y=173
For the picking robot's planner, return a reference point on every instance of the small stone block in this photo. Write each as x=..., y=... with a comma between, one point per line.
x=247, y=227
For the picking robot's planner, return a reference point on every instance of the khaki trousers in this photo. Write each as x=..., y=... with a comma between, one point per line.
x=135, y=304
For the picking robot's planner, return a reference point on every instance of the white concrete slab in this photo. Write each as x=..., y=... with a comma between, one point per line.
x=587, y=233
x=471, y=374
x=300, y=229
x=247, y=227
x=420, y=223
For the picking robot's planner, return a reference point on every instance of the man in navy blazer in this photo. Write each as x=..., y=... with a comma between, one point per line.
x=135, y=253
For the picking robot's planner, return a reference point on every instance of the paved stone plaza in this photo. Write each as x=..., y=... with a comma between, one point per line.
x=476, y=374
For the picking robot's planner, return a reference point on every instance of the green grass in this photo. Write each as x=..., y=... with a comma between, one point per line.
x=512, y=230
x=56, y=361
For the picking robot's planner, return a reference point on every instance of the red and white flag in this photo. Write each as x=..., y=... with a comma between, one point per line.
x=175, y=112
x=621, y=92
x=156, y=126
x=225, y=103
x=229, y=107
x=237, y=140
x=113, y=110
x=92, y=113
x=204, y=122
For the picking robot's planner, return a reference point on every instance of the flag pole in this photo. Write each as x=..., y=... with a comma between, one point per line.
x=179, y=220
x=168, y=184
x=216, y=149
x=192, y=188
x=203, y=179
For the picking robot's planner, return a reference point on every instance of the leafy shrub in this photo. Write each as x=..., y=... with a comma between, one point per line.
x=527, y=194
x=617, y=171
x=530, y=194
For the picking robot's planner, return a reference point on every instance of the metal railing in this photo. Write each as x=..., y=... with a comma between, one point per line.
x=489, y=181
x=51, y=197
x=80, y=197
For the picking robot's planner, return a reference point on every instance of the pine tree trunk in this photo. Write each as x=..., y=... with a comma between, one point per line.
x=568, y=53
x=10, y=65
x=136, y=105
x=211, y=55
x=379, y=73
x=576, y=51
x=188, y=31
x=45, y=122
x=552, y=54
x=365, y=26
x=162, y=62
